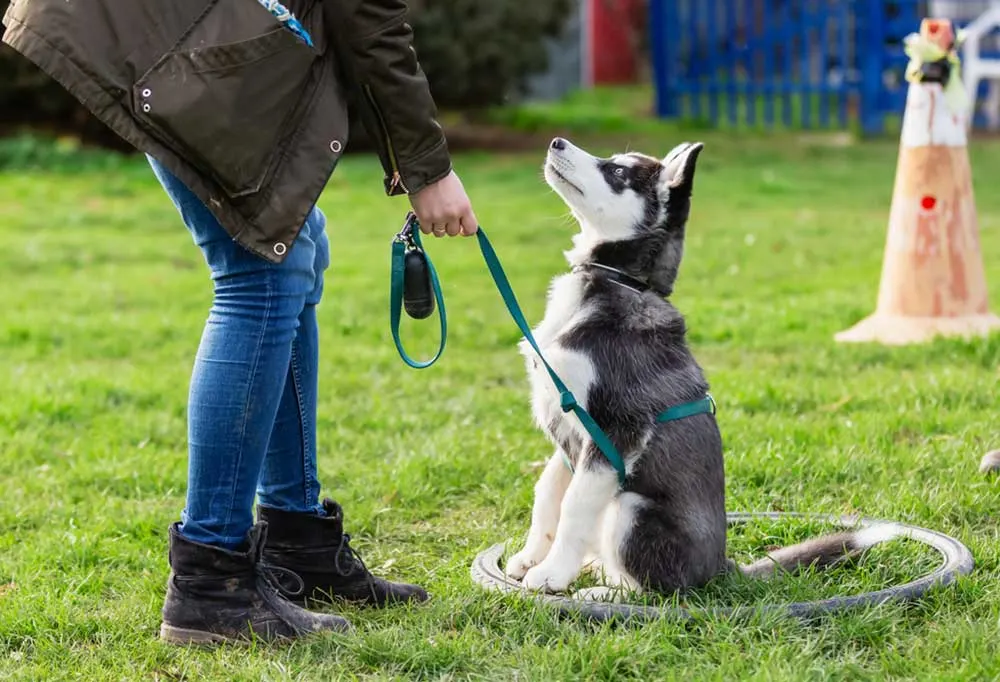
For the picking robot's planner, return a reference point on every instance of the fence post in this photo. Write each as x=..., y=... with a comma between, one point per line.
x=872, y=41
x=660, y=34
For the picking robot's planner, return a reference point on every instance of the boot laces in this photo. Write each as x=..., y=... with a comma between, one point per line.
x=346, y=553
x=268, y=574
x=276, y=594
x=273, y=575
x=355, y=564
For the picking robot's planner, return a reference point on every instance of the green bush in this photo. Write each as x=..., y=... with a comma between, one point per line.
x=479, y=53
x=476, y=53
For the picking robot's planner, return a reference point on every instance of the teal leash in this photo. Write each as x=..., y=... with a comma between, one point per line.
x=408, y=238
x=567, y=400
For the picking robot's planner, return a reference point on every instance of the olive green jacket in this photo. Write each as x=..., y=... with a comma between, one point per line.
x=245, y=112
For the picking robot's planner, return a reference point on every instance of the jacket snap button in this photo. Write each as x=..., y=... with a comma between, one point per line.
x=146, y=107
x=147, y=92
x=279, y=249
x=335, y=146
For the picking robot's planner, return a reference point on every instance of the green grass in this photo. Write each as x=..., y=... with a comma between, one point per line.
x=104, y=297
x=630, y=109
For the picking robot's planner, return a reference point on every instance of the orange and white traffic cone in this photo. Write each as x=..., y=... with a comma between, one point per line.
x=933, y=283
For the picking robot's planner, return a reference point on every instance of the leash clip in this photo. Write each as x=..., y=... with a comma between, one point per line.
x=405, y=234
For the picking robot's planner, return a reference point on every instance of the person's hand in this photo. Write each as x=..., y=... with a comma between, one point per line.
x=443, y=208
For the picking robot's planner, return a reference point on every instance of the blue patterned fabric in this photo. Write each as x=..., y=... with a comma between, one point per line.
x=286, y=17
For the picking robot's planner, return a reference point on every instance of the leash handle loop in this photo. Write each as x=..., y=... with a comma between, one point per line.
x=407, y=239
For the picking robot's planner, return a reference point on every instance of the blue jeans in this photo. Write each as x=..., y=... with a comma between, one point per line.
x=252, y=401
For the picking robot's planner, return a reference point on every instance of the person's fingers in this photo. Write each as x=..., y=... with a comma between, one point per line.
x=470, y=224
x=443, y=208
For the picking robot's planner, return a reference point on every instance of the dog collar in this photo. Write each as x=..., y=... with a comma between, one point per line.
x=618, y=277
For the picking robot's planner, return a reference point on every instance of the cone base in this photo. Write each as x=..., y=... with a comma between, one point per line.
x=896, y=330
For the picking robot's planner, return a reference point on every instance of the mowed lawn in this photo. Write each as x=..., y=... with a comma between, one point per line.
x=104, y=297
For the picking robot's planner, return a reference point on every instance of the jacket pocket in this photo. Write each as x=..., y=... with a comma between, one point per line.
x=226, y=107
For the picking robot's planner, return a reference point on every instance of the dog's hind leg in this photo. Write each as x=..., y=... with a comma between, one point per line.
x=621, y=519
x=549, y=492
x=593, y=487
x=593, y=562
x=618, y=523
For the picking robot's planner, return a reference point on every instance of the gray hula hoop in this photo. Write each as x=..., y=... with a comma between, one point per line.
x=956, y=560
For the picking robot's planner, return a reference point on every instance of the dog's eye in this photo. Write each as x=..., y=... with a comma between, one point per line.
x=620, y=172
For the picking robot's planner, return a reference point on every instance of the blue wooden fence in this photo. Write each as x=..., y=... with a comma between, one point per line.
x=791, y=63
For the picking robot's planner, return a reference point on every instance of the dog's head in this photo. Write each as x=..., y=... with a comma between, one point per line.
x=627, y=199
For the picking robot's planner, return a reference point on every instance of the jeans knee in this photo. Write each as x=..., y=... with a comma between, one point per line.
x=252, y=293
x=263, y=303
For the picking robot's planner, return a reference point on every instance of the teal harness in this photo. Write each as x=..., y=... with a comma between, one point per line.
x=407, y=244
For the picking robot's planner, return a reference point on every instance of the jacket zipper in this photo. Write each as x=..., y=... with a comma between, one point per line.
x=397, y=179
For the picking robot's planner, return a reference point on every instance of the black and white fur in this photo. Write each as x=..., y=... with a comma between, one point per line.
x=619, y=345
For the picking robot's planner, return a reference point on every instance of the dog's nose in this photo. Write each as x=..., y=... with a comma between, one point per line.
x=559, y=144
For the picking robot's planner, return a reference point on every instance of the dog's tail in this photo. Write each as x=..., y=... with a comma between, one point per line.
x=821, y=551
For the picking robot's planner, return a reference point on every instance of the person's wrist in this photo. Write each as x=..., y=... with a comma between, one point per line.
x=430, y=184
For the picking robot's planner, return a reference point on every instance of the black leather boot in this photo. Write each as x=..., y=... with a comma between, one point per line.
x=318, y=550
x=216, y=596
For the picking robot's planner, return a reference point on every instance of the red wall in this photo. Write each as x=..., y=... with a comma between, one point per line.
x=610, y=56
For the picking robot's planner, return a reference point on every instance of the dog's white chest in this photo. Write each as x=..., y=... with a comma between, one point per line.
x=563, y=312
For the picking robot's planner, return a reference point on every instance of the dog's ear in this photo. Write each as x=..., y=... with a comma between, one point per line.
x=679, y=165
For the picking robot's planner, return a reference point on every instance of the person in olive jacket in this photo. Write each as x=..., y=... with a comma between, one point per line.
x=243, y=115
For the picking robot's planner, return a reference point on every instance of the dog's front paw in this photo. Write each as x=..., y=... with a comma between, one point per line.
x=549, y=576
x=521, y=563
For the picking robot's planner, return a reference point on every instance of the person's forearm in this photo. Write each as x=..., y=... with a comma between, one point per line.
x=376, y=47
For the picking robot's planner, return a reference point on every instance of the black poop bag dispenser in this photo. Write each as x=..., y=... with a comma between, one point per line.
x=418, y=291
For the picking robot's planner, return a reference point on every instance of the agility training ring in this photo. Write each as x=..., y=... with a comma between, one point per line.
x=956, y=561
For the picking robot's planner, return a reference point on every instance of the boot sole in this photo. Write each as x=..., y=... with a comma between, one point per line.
x=186, y=637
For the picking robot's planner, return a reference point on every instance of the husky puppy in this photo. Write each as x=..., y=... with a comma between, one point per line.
x=612, y=335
